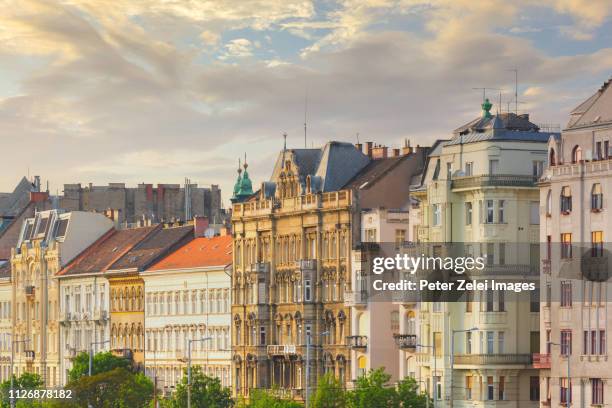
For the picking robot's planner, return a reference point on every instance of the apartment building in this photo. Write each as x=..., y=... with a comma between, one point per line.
x=6, y=322
x=187, y=298
x=127, y=292
x=479, y=193
x=47, y=243
x=575, y=194
x=84, y=302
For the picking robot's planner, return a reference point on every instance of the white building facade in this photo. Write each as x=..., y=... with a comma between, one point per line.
x=187, y=297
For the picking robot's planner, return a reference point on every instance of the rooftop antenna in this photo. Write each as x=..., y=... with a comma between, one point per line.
x=516, y=102
x=305, y=116
x=484, y=91
x=357, y=137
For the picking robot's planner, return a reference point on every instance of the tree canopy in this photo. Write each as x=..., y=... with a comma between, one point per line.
x=102, y=362
x=205, y=392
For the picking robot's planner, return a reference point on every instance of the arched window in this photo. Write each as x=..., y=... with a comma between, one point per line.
x=566, y=200
x=552, y=160
x=576, y=154
x=549, y=203
x=596, y=197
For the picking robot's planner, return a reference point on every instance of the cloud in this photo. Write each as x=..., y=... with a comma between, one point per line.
x=575, y=33
x=238, y=48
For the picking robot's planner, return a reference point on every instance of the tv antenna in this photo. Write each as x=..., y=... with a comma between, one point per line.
x=516, y=101
x=305, y=117
x=484, y=91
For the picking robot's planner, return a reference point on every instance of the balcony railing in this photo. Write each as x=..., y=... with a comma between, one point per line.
x=29, y=355
x=541, y=360
x=100, y=315
x=493, y=359
x=281, y=349
x=309, y=264
x=357, y=342
x=493, y=180
x=357, y=297
x=406, y=341
x=261, y=267
x=65, y=317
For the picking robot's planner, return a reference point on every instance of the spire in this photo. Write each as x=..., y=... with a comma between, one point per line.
x=486, y=107
x=246, y=187
x=238, y=181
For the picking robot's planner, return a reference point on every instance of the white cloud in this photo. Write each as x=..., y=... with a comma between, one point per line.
x=238, y=48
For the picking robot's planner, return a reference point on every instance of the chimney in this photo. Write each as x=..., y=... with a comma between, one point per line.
x=200, y=225
x=113, y=214
x=380, y=152
x=38, y=196
x=359, y=147
x=223, y=231
x=369, y=149
x=406, y=149
x=396, y=152
x=524, y=116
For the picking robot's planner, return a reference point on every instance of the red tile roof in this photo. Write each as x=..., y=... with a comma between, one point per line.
x=200, y=252
x=105, y=251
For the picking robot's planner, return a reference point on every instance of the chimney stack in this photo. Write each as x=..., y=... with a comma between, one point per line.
x=406, y=149
x=380, y=152
x=369, y=149
x=200, y=225
x=359, y=147
x=396, y=152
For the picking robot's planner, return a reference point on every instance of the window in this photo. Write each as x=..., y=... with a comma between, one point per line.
x=534, y=388
x=500, y=342
x=598, y=153
x=566, y=342
x=501, y=301
x=549, y=203
x=534, y=212
x=537, y=168
x=438, y=385
x=596, y=197
x=490, y=389
x=469, y=383
x=602, y=342
x=468, y=342
x=307, y=290
x=490, y=335
x=436, y=170
x=449, y=170
x=468, y=213
x=437, y=340
x=437, y=214
x=576, y=154
x=534, y=304
x=606, y=149
x=565, y=390
x=489, y=301
x=552, y=160
x=566, y=200
x=489, y=213
x=566, y=293
x=400, y=238
x=262, y=335
x=500, y=212
x=501, y=390
x=370, y=235
x=493, y=166
x=469, y=298
x=597, y=244
x=566, y=245
x=597, y=391
x=469, y=168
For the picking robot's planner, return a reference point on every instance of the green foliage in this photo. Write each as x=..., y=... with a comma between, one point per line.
x=267, y=399
x=118, y=388
x=372, y=391
x=102, y=362
x=205, y=392
x=27, y=381
x=329, y=394
x=409, y=395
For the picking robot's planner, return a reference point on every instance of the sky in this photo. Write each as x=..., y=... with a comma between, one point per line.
x=158, y=90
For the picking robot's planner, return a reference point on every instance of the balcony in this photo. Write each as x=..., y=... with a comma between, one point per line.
x=406, y=341
x=357, y=342
x=261, y=267
x=422, y=233
x=356, y=297
x=281, y=349
x=492, y=180
x=29, y=290
x=100, y=315
x=546, y=266
x=493, y=359
x=65, y=317
x=541, y=360
x=29, y=356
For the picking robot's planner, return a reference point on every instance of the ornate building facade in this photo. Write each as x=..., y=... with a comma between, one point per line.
x=47, y=243
x=575, y=197
x=127, y=292
x=84, y=306
x=291, y=250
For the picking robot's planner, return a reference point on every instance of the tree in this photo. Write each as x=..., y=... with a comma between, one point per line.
x=371, y=391
x=102, y=362
x=330, y=393
x=205, y=392
x=27, y=381
x=409, y=395
x=118, y=388
x=268, y=399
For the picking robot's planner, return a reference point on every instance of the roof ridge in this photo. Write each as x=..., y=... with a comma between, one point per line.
x=83, y=253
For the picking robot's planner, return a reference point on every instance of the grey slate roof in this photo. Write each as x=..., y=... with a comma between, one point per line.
x=501, y=135
x=596, y=110
x=12, y=203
